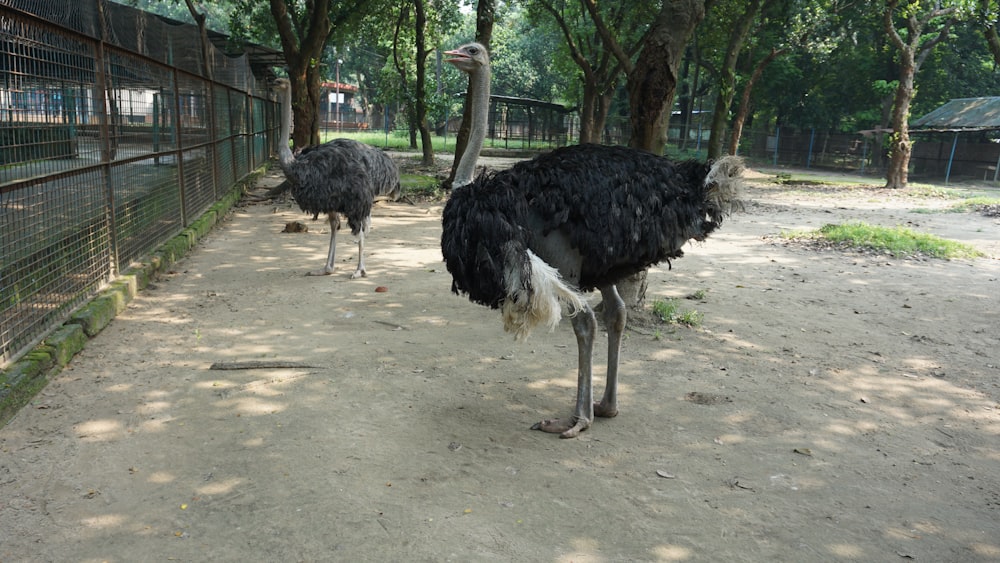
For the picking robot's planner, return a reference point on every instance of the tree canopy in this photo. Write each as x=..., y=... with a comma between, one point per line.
x=837, y=65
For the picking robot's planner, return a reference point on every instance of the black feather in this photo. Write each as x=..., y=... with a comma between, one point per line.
x=342, y=176
x=621, y=210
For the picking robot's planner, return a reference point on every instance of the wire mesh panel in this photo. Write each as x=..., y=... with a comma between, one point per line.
x=147, y=207
x=223, y=118
x=240, y=120
x=77, y=16
x=111, y=142
x=46, y=100
x=54, y=252
x=199, y=188
x=143, y=135
x=261, y=151
x=224, y=163
x=193, y=103
x=223, y=135
x=141, y=106
x=199, y=185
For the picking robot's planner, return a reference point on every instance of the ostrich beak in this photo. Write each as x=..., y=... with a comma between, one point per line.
x=456, y=56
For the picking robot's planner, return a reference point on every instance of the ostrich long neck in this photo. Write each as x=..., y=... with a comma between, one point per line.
x=479, y=102
x=285, y=157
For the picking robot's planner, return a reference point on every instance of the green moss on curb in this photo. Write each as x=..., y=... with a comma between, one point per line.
x=65, y=342
x=127, y=285
x=23, y=380
x=96, y=315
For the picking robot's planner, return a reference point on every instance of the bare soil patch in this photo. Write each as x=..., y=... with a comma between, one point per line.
x=834, y=406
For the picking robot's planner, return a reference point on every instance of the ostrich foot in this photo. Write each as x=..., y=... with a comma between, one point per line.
x=605, y=412
x=359, y=273
x=323, y=272
x=569, y=428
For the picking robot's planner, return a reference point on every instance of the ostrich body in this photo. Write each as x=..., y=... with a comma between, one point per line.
x=529, y=239
x=339, y=177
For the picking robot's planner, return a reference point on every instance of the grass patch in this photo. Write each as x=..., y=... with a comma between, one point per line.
x=421, y=186
x=698, y=295
x=898, y=241
x=929, y=191
x=975, y=204
x=669, y=311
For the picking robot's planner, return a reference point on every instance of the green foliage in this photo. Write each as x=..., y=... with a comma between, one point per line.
x=216, y=12
x=669, y=311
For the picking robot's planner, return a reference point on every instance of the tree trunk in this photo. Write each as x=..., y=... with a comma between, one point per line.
x=727, y=78
x=633, y=290
x=588, y=116
x=900, y=147
x=314, y=81
x=653, y=81
x=601, y=115
x=301, y=47
x=303, y=112
x=744, y=109
x=651, y=86
x=426, y=144
x=990, y=32
x=913, y=50
x=993, y=41
x=685, y=104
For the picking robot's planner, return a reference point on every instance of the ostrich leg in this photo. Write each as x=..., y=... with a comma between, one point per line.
x=361, y=272
x=585, y=326
x=332, y=253
x=614, y=319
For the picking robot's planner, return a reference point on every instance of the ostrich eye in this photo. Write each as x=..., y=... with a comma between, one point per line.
x=473, y=50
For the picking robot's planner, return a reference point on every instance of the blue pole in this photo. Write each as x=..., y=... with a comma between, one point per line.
x=951, y=158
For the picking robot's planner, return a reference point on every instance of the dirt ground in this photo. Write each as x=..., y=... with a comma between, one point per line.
x=833, y=406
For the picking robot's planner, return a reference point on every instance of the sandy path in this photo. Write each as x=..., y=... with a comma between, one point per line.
x=833, y=407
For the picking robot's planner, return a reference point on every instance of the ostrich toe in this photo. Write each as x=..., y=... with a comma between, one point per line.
x=568, y=428
x=325, y=271
x=605, y=411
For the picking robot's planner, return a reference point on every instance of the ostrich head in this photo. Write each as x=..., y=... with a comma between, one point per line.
x=474, y=60
x=469, y=58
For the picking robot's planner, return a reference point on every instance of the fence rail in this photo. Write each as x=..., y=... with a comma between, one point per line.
x=111, y=143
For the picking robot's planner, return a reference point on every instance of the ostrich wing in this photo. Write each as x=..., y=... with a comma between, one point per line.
x=621, y=210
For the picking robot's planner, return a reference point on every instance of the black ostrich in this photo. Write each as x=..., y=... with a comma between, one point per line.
x=341, y=176
x=529, y=239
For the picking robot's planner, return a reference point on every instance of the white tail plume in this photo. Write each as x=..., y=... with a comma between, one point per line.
x=523, y=309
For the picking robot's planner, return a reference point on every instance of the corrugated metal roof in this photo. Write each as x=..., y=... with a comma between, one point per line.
x=962, y=114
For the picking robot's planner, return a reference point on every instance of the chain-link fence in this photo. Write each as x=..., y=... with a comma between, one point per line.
x=112, y=141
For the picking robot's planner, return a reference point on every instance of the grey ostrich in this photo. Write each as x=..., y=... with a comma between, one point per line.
x=341, y=176
x=528, y=240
